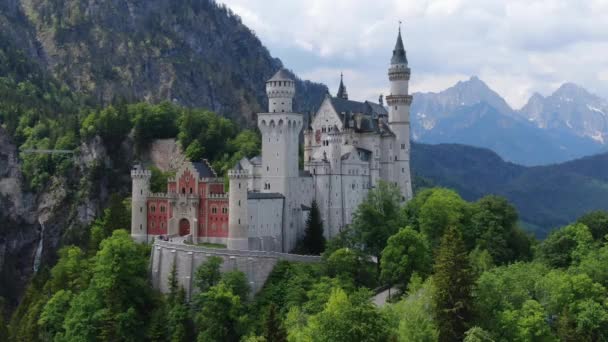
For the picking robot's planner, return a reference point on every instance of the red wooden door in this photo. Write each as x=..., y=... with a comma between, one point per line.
x=184, y=227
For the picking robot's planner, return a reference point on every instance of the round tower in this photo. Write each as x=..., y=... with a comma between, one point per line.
x=399, y=102
x=238, y=214
x=139, y=209
x=280, y=90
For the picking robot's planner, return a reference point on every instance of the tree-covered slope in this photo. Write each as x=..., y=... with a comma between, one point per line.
x=195, y=53
x=545, y=196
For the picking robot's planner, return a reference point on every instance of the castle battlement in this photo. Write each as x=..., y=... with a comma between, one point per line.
x=161, y=195
x=141, y=173
x=238, y=174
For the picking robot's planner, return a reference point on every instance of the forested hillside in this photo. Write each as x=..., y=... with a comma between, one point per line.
x=195, y=53
x=457, y=271
x=545, y=196
x=78, y=76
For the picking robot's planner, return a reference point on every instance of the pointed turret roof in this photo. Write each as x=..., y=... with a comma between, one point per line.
x=342, y=93
x=399, y=56
x=281, y=75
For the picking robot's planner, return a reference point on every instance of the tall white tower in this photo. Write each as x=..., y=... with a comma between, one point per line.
x=139, y=207
x=399, y=102
x=280, y=129
x=238, y=215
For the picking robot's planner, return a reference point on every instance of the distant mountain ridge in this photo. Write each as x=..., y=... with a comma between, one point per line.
x=570, y=107
x=471, y=113
x=546, y=197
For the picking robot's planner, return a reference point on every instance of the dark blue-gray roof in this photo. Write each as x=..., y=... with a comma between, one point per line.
x=264, y=195
x=399, y=56
x=361, y=116
x=204, y=169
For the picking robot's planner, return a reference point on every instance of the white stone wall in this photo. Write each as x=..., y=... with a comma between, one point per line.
x=265, y=224
x=255, y=264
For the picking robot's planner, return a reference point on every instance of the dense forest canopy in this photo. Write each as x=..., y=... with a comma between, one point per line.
x=457, y=270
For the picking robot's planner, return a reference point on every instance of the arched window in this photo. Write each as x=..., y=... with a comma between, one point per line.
x=184, y=191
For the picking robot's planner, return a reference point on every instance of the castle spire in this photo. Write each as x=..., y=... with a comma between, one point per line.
x=342, y=93
x=399, y=56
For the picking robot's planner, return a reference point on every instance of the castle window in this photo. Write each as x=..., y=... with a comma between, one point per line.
x=402, y=170
x=395, y=158
x=140, y=227
x=190, y=190
x=239, y=221
x=239, y=185
x=403, y=146
x=239, y=203
x=141, y=192
x=183, y=190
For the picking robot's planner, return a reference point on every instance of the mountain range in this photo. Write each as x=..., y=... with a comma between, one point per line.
x=568, y=124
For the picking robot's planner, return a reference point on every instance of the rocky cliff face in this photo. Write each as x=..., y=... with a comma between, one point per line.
x=195, y=53
x=33, y=226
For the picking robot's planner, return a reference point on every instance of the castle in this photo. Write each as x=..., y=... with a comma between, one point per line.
x=348, y=147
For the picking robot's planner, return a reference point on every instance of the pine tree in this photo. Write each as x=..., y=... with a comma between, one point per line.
x=453, y=282
x=173, y=285
x=273, y=329
x=314, y=240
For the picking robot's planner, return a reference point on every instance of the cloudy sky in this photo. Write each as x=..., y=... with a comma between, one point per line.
x=518, y=46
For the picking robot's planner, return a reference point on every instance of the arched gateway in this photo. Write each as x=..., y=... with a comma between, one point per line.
x=184, y=227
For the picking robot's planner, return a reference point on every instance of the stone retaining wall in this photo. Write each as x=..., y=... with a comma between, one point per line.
x=256, y=265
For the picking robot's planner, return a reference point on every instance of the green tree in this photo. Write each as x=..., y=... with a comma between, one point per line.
x=477, y=334
x=53, y=314
x=348, y=318
x=412, y=317
x=314, y=240
x=116, y=303
x=178, y=319
x=527, y=324
x=406, y=252
x=597, y=222
x=565, y=246
x=236, y=281
x=220, y=315
x=208, y=273
x=493, y=227
x=274, y=331
x=442, y=209
x=377, y=218
x=453, y=284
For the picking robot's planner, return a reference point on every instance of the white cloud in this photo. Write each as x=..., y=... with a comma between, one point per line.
x=517, y=46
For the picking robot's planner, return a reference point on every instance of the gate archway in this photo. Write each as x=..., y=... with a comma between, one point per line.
x=184, y=227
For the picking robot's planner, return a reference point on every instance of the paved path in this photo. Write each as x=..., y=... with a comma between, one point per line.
x=381, y=298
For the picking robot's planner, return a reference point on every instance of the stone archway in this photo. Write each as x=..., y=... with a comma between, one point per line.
x=184, y=227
